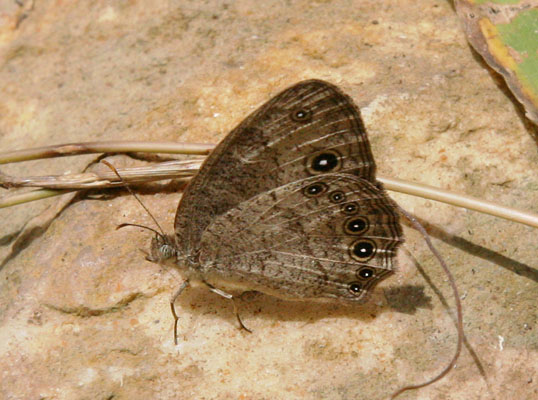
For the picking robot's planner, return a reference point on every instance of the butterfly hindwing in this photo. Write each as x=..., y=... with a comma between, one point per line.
x=331, y=236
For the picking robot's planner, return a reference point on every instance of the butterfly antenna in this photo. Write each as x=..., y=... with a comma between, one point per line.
x=137, y=199
x=459, y=313
x=139, y=226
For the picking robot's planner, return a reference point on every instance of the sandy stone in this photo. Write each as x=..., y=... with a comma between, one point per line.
x=84, y=316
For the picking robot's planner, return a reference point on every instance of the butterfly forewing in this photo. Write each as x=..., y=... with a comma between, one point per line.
x=330, y=236
x=309, y=129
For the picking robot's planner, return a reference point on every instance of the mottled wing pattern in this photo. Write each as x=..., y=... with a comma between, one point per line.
x=330, y=236
x=309, y=129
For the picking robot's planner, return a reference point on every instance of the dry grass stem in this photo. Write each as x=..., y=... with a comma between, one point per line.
x=56, y=185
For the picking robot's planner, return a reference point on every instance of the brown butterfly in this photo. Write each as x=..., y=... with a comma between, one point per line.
x=287, y=204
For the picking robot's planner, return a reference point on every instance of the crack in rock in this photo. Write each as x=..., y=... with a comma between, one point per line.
x=86, y=312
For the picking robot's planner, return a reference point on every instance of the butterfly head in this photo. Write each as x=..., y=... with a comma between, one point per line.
x=162, y=249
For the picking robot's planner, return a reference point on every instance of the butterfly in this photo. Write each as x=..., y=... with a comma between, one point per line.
x=288, y=205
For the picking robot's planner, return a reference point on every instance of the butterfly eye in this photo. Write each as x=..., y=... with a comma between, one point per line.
x=365, y=273
x=362, y=250
x=350, y=208
x=315, y=189
x=327, y=161
x=301, y=115
x=337, y=196
x=355, y=288
x=356, y=226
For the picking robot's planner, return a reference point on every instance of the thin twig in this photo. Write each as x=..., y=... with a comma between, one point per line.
x=21, y=198
x=154, y=172
x=459, y=200
x=72, y=149
x=106, y=178
x=459, y=312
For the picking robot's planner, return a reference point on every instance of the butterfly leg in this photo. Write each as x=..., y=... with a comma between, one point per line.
x=180, y=290
x=232, y=298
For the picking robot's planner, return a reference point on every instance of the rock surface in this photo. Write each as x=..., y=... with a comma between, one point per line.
x=84, y=316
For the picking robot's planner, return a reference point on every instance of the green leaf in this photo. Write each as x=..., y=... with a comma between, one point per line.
x=505, y=33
